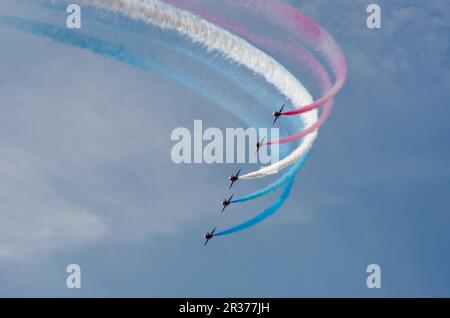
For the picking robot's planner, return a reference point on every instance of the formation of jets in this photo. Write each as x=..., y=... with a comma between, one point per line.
x=233, y=178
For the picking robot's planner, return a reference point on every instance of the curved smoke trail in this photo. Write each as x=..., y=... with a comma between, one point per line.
x=155, y=13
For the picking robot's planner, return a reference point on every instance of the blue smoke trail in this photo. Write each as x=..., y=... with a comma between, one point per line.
x=263, y=215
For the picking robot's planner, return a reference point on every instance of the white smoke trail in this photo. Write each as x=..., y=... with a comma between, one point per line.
x=215, y=38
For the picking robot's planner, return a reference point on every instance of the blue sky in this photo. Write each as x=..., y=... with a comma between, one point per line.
x=83, y=180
